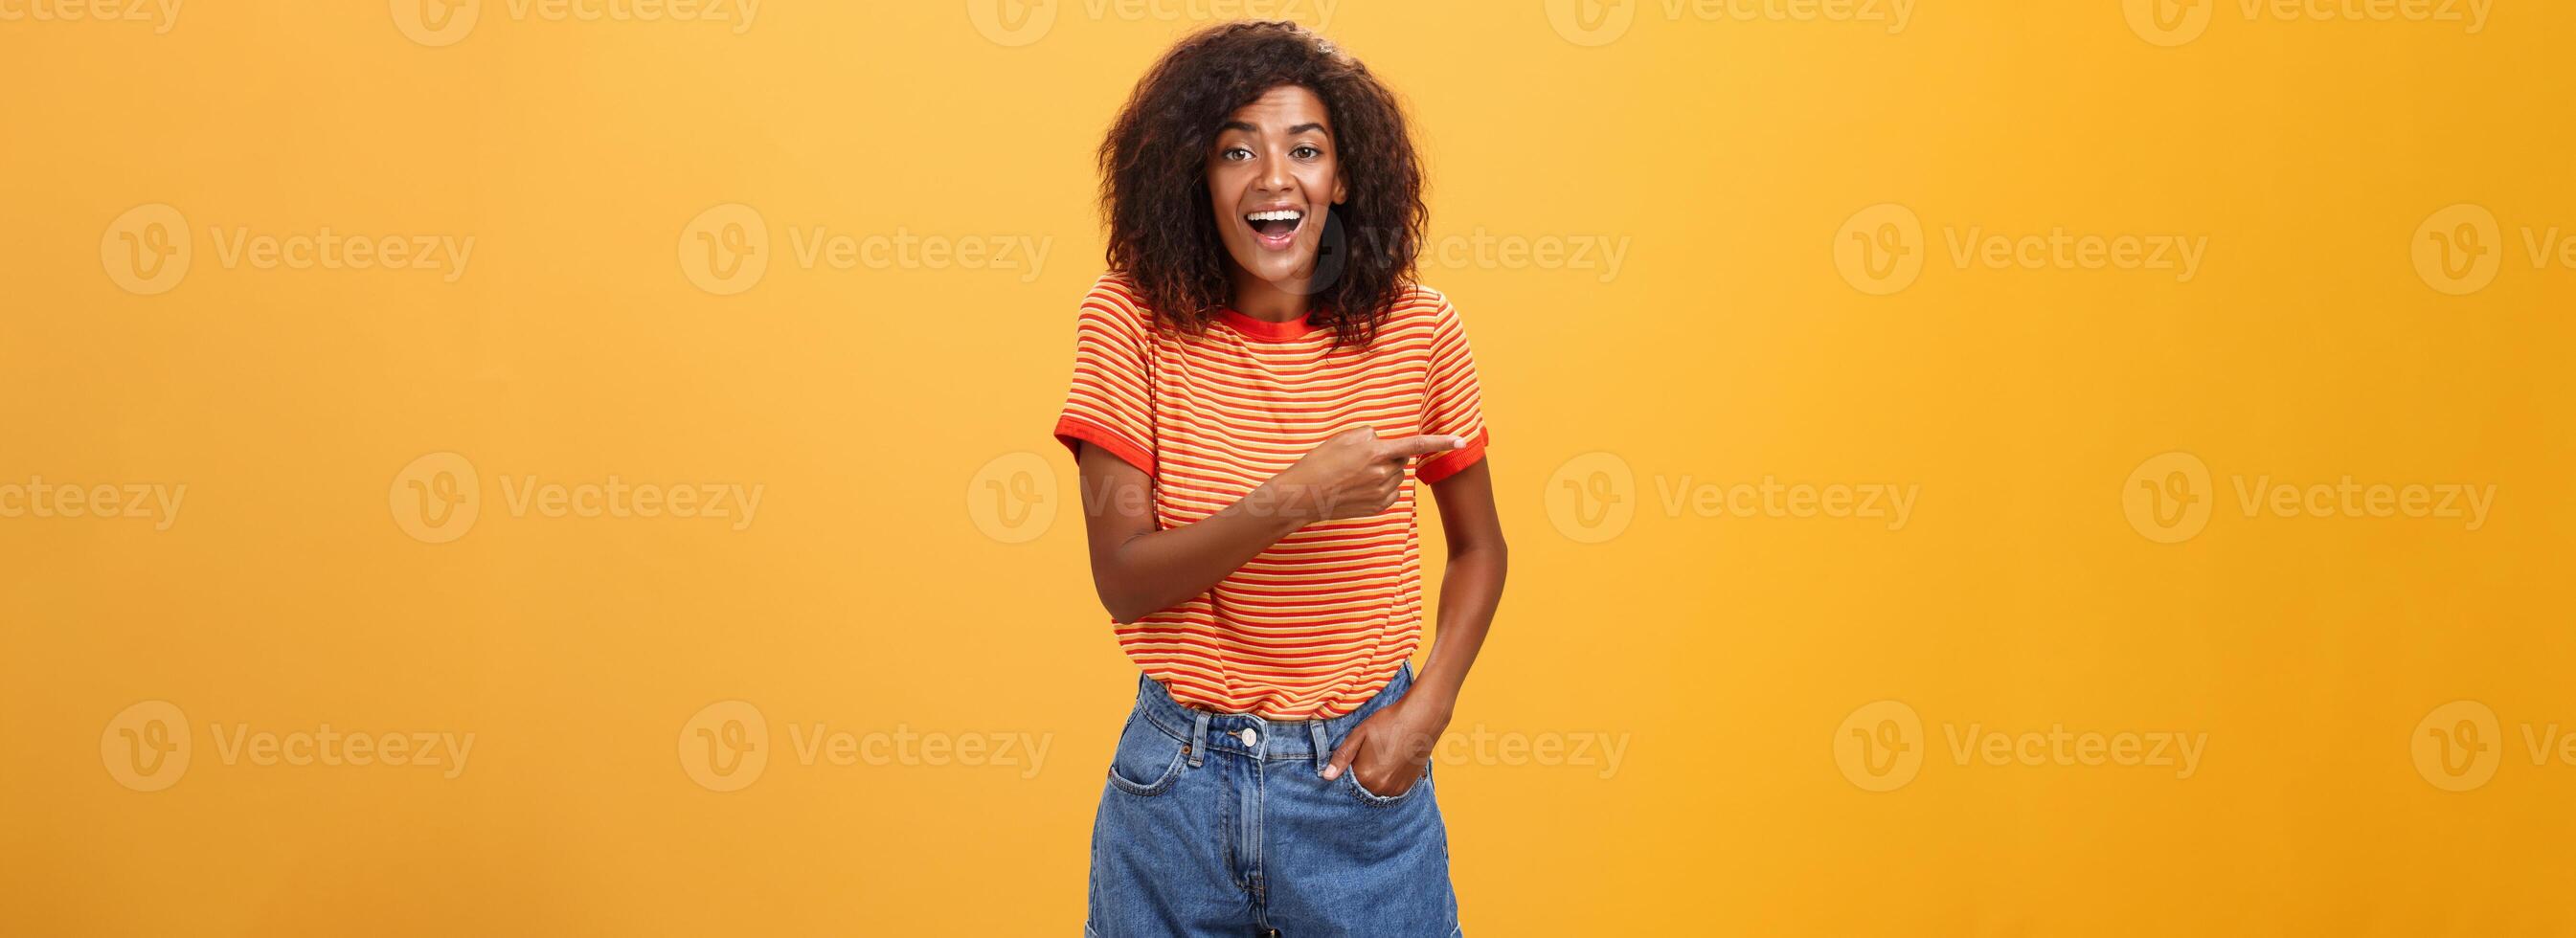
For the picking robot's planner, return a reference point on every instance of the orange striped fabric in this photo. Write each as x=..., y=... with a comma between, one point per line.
x=1316, y=624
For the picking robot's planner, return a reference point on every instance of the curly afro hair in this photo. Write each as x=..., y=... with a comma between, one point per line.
x=1153, y=177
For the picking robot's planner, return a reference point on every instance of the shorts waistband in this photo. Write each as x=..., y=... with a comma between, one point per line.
x=1245, y=735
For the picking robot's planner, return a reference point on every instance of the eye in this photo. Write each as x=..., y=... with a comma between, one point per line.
x=1306, y=151
x=1234, y=154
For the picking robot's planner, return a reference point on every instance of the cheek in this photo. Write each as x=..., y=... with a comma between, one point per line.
x=1321, y=181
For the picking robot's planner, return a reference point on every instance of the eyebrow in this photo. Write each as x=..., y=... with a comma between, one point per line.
x=1292, y=131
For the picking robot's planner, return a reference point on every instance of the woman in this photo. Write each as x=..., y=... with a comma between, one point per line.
x=1257, y=387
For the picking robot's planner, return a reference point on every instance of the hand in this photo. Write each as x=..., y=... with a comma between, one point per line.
x=1387, y=750
x=1353, y=474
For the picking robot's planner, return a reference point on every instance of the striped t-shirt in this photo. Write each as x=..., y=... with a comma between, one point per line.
x=1315, y=625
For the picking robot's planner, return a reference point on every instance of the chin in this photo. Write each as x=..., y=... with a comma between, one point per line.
x=1276, y=269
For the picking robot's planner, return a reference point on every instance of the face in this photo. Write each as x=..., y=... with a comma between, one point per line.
x=1270, y=178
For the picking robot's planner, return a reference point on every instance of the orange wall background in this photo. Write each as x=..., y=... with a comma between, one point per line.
x=2086, y=468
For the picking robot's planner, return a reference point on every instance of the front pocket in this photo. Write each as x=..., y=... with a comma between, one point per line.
x=1148, y=760
x=1420, y=782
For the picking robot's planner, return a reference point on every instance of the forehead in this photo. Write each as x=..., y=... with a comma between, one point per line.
x=1283, y=107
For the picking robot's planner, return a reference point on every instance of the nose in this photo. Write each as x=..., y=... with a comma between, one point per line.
x=1275, y=178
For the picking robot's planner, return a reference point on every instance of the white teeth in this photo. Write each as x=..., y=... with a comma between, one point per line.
x=1278, y=215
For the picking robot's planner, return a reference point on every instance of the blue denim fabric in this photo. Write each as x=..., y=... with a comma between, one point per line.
x=1204, y=830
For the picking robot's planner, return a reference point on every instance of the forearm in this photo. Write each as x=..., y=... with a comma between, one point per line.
x=1157, y=570
x=1469, y=593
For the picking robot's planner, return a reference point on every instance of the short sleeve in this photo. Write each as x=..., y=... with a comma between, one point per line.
x=1452, y=404
x=1111, y=402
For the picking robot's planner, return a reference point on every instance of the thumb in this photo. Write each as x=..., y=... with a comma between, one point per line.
x=1425, y=445
x=1342, y=756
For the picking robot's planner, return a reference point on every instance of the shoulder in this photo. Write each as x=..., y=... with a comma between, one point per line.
x=1115, y=299
x=1420, y=307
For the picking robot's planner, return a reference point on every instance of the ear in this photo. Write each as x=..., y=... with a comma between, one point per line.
x=1340, y=193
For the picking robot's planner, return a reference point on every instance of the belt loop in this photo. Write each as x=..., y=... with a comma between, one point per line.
x=1323, y=747
x=1198, y=738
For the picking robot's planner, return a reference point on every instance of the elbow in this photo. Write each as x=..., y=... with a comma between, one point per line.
x=1124, y=613
x=1123, y=606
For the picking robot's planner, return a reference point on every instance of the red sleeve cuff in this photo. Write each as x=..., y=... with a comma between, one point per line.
x=1074, y=431
x=1448, y=464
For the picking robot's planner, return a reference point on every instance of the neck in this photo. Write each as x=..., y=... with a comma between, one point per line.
x=1267, y=301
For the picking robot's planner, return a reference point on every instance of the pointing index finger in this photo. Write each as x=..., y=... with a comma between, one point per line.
x=1402, y=448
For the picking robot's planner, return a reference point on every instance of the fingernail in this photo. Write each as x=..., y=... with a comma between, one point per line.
x=1331, y=773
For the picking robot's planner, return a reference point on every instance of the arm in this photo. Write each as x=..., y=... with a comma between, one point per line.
x=1139, y=570
x=1389, y=748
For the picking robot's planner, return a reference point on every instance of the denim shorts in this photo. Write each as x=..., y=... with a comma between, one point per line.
x=1221, y=824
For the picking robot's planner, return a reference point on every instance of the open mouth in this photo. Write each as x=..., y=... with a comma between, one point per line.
x=1275, y=228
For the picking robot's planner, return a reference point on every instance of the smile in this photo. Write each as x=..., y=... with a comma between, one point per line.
x=1275, y=228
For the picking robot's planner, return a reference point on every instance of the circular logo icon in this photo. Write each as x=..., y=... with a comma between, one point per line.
x=2167, y=498
x=725, y=746
x=2458, y=249
x=1879, y=249
x=2169, y=23
x=1012, y=22
x=1592, y=497
x=2457, y=746
x=1592, y=22
x=1879, y=747
x=725, y=249
x=436, y=498
x=145, y=747
x=1013, y=498
x=147, y=249
x=435, y=23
